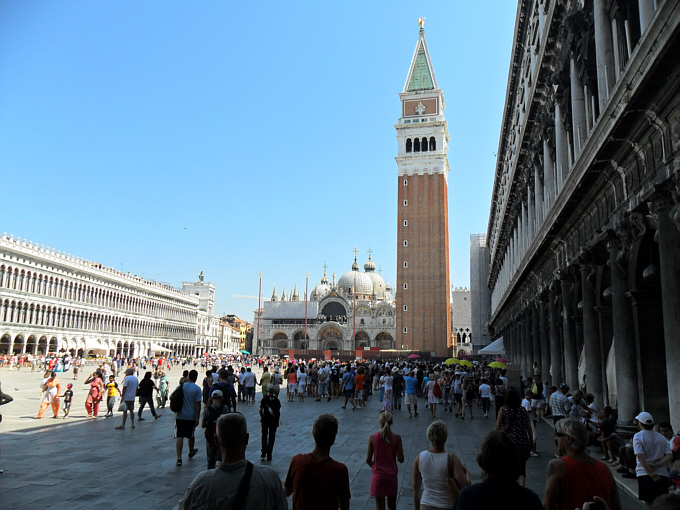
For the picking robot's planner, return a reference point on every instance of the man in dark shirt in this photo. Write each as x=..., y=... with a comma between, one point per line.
x=270, y=414
x=397, y=387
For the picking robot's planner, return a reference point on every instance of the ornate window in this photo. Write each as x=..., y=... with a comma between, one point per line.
x=433, y=144
x=424, y=144
x=409, y=145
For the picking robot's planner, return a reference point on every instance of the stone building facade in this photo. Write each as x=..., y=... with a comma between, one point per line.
x=423, y=306
x=51, y=301
x=461, y=320
x=584, y=232
x=357, y=312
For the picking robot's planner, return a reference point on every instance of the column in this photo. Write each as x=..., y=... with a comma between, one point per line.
x=526, y=343
x=668, y=238
x=624, y=338
x=604, y=52
x=561, y=148
x=544, y=339
x=647, y=9
x=556, y=373
x=535, y=335
x=531, y=216
x=525, y=233
x=591, y=337
x=578, y=107
x=548, y=175
x=569, y=333
x=538, y=201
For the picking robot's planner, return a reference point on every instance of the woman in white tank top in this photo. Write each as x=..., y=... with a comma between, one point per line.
x=430, y=472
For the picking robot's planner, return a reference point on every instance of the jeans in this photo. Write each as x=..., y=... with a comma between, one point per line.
x=142, y=402
x=485, y=404
x=213, y=453
x=268, y=437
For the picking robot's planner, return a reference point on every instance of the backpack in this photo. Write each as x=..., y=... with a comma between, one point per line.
x=211, y=423
x=177, y=399
x=323, y=375
x=436, y=390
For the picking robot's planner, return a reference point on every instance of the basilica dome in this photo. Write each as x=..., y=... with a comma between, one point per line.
x=379, y=285
x=354, y=279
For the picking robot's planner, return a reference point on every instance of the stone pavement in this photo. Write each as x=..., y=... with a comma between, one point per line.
x=79, y=463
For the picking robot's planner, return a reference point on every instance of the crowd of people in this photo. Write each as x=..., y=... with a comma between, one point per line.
x=575, y=478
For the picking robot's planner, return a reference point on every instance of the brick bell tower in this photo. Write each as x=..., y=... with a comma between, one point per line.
x=423, y=303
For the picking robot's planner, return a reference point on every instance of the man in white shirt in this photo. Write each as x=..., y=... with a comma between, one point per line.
x=653, y=453
x=249, y=381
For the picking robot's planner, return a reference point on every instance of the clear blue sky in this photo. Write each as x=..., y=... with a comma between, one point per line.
x=163, y=138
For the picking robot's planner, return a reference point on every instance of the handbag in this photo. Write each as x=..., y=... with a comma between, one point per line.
x=451, y=485
x=122, y=407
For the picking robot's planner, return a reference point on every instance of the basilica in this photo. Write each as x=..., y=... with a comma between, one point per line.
x=355, y=313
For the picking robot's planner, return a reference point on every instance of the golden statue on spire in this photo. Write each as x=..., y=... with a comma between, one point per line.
x=421, y=23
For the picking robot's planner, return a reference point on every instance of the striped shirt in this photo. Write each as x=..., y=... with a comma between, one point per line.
x=212, y=488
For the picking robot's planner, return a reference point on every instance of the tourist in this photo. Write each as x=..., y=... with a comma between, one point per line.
x=112, y=390
x=359, y=391
x=235, y=482
x=270, y=414
x=188, y=418
x=410, y=393
x=526, y=404
x=433, y=467
x=249, y=382
x=500, y=463
x=469, y=393
x=212, y=412
x=434, y=393
x=127, y=396
x=559, y=403
x=301, y=383
x=653, y=452
x=4, y=399
x=324, y=373
x=387, y=400
x=162, y=394
x=51, y=387
x=384, y=450
x=146, y=389
x=94, y=395
x=291, y=377
x=485, y=393
x=276, y=380
x=577, y=478
x=348, y=384
x=397, y=387
x=206, y=384
x=516, y=423
x=68, y=398
x=458, y=394
x=316, y=481
x=265, y=378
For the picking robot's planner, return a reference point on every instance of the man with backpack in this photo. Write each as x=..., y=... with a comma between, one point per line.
x=186, y=417
x=209, y=423
x=270, y=414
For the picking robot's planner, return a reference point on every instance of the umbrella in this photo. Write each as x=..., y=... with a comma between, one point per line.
x=413, y=356
x=286, y=356
x=465, y=363
x=497, y=364
x=451, y=361
x=245, y=352
x=502, y=360
x=462, y=355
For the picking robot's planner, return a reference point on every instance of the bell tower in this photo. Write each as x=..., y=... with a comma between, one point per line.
x=423, y=303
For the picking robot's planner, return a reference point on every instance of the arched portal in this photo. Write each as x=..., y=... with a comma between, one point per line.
x=385, y=340
x=5, y=344
x=334, y=311
x=361, y=340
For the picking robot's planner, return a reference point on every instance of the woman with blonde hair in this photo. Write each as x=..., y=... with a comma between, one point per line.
x=433, y=468
x=384, y=450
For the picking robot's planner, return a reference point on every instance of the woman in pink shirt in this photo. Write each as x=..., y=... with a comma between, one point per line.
x=384, y=450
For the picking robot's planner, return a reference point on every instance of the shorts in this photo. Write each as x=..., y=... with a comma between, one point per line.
x=649, y=490
x=250, y=391
x=411, y=399
x=458, y=397
x=130, y=405
x=360, y=394
x=185, y=428
x=67, y=405
x=301, y=388
x=349, y=393
x=536, y=402
x=291, y=387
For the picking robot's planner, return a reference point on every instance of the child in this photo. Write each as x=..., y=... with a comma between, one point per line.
x=111, y=394
x=68, y=396
x=526, y=404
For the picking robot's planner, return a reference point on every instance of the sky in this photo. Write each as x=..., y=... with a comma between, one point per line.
x=165, y=138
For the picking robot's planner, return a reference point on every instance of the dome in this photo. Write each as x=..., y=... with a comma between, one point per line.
x=320, y=291
x=360, y=282
x=379, y=285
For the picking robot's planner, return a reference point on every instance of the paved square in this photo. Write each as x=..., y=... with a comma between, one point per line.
x=80, y=462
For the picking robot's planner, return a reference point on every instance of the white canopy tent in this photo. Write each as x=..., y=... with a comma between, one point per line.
x=495, y=347
x=158, y=348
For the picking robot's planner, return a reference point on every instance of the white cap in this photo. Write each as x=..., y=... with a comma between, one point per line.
x=216, y=393
x=645, y=418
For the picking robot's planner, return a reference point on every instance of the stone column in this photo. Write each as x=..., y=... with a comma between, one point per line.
x=578, y=107
x=668, y=237
x=548, y=176
x=624, y=336
x=556, y=353
x=569, y=333
x=544, y=339
x=561, y=148
x=538, y=194
x=526, y=335
x=531, y=217
x=535, y=335
x=591, y=337
x=523, y=239
x=604, y=52
x=647, y=9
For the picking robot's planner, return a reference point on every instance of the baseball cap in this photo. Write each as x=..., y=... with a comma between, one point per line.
x=645, y=418
x=216, y=393
x=277, y=369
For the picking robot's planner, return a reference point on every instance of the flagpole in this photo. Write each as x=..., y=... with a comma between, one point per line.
x=306, y=284
x=259, y=311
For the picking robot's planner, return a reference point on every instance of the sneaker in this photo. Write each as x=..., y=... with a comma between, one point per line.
x=157, y=416
x=141, y=419
x=193, y=453
x=533, y=454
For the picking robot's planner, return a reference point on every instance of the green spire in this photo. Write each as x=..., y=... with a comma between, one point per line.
x=421, y=76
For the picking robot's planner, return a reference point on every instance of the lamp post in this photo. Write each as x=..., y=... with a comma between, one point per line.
x=259, y=310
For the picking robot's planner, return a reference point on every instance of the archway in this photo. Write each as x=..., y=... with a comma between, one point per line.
x=332, y=345
x=361, y=340
x=5, y=344
x=31, y=344
x=385, y=340
x=18, y=344
x=301, y=340
x=334, y=311
x=42, y=345
x=53, y=345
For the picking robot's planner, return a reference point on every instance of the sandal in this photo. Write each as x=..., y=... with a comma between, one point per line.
x=193, y=453
x=179, y=462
